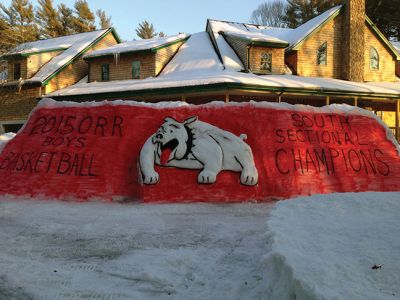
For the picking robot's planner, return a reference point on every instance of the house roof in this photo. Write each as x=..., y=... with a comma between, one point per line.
x=293, y=38
x=72, y=46
x=140, y=45
x=196, y=67
x=256, y=38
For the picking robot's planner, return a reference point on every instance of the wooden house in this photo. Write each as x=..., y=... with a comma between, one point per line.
x=41, y=67
x=337, y=57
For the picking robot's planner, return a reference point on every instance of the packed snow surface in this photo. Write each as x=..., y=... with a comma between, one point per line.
x=338, y=246
x=5, y=138
x=318, y=247
x=138, y=45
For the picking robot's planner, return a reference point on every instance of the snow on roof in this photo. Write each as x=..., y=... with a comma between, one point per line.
x=301, y=32
x=256, y=37
x=76, y=43
x=195, y=78
x=63, y=42
x=262, y=33
x=229, y=58
x=133, y=46
x=197, y=55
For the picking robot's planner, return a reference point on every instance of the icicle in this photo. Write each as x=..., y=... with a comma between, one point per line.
x=116, y=58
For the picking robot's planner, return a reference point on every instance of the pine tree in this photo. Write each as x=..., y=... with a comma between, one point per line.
x=48, y=18
x=66, y=20
x=145, y=30
x=301, y=11
x=104, y=21
x=17, y=25
x=84, y=18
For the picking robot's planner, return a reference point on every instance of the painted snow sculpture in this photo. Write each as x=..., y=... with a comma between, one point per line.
x=193, y=144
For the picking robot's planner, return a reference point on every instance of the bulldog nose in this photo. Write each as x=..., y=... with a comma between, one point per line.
x=159, y=136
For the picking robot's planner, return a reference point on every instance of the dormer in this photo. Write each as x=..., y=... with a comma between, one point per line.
x=133, y=60
x=260, y=53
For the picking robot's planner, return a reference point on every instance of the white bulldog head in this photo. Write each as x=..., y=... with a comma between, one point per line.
x=174, y=135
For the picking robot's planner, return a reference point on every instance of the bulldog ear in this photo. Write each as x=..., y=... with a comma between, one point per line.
x=190, y=120
x=169, y=119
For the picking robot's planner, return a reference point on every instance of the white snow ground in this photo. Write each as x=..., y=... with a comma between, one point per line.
x=319, y=247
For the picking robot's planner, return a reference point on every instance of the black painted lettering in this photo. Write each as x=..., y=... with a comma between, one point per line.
x=384, y=170
x=117, y=125
x=277, y=161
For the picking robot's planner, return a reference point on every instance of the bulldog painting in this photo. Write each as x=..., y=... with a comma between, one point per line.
x=193, y=144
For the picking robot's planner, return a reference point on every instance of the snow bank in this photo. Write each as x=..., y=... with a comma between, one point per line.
x=325, y=247
x=5, y=138
x=70, y=251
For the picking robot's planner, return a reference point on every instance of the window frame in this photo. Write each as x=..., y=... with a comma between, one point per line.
x=264, y=58
x=105, y=72
x=372, y=51
x=14, y=71
x=136, y=66
x=322, y=54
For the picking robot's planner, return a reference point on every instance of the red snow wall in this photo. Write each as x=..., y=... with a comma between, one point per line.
x=83, y=152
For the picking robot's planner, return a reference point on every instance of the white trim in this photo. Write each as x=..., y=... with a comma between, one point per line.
x=2, y=123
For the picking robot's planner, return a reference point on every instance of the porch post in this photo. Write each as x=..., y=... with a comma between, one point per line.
x=226, y=96
x=356, y=101
x=398, y=120
x=327, y=100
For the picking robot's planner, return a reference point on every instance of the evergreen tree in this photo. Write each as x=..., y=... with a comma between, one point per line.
x=300, y=11
x=66, y=20
x=17, y=24
x=84, y=18
x=48, y=18
x=386, y=15
x=104, y=21
x=145, y=30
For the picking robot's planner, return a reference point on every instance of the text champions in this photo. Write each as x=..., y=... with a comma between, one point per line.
x=326, y=144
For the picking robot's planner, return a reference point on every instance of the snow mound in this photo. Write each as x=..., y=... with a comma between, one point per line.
x=5, y=138
x=337, y=246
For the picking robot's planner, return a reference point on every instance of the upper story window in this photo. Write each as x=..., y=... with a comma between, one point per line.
x=373, y=59
x=322, y=54
x=266, y=62
x=105, y=72
x=17, y=71
x=136, y=69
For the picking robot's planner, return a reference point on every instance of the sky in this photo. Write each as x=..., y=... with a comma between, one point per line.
x=169, y=16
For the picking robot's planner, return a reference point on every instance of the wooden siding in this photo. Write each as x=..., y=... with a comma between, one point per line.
x=278, y=59
x=122, y=68
x=306, y=65
x=10, y=67
x=16, y=103
x=78, y=69
x=36, y=61
x=387, y=64
x=164, y=55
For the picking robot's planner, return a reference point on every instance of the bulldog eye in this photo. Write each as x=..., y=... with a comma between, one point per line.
x=171, y=131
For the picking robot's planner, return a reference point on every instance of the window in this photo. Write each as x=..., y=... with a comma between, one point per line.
x=105, y=72
x=322, y=54
x=17, y=71
x=266, y=61
x=136, y=69
x=373, y=59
